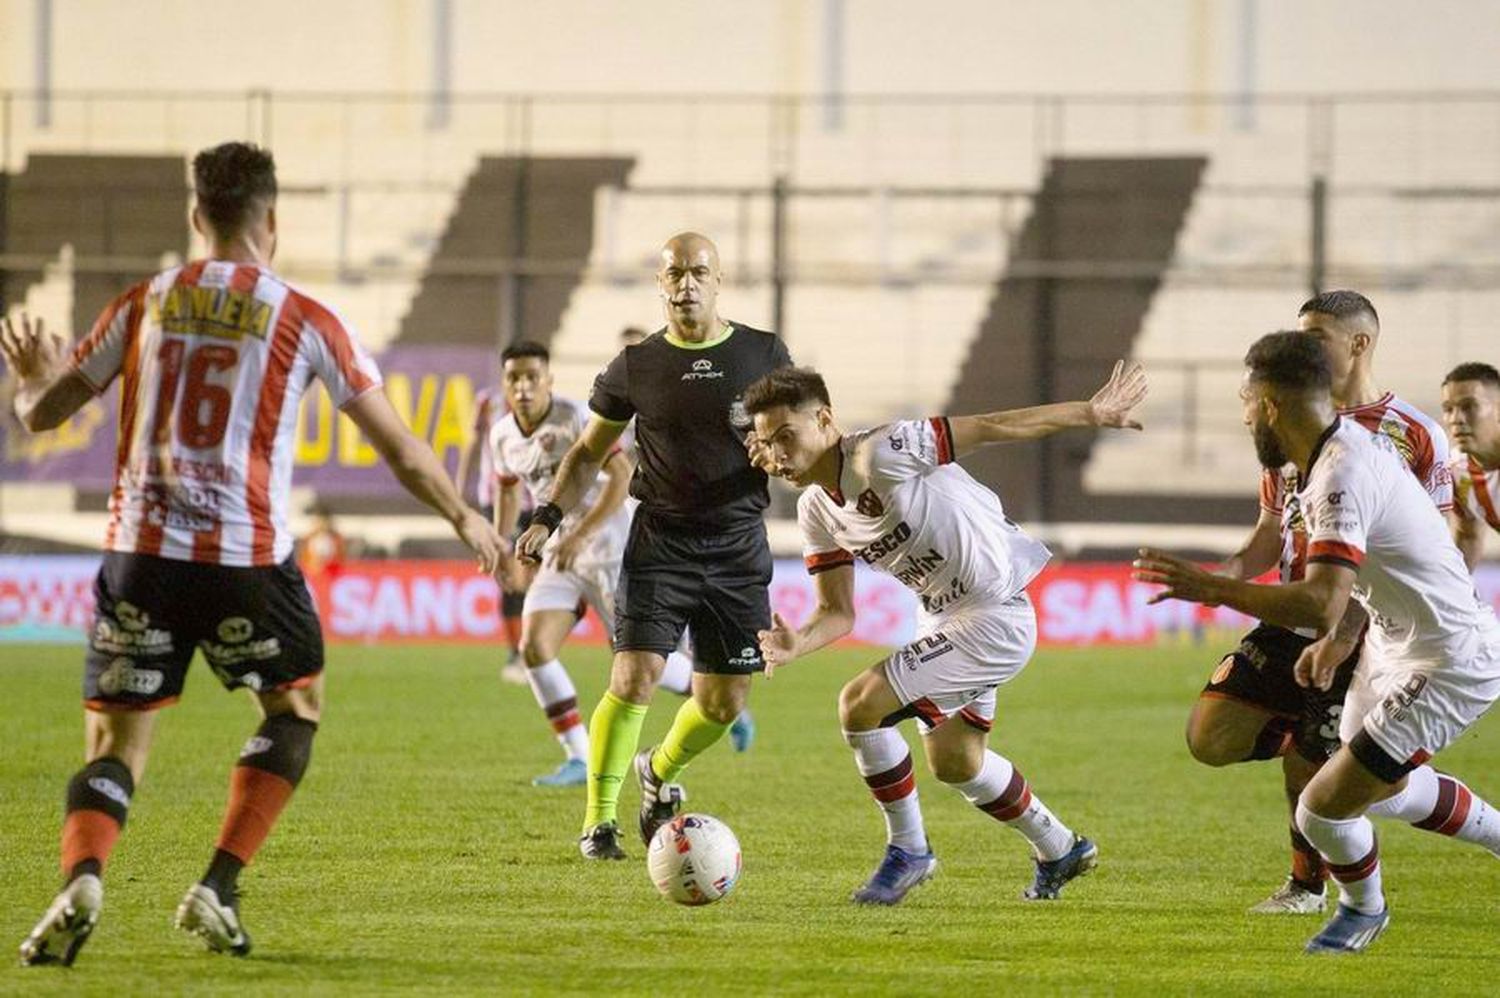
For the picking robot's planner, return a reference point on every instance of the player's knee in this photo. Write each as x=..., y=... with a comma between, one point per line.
x=855, y=710
x=954, y=766
x=535, y=652
x=632, y=680
x=1207, y=743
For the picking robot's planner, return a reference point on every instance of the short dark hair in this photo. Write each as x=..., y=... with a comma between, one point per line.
x=1474, y=370
x=789, y=386
x=1340, y=305
x=1291, y=360
x=525, y=348
x=230, y=180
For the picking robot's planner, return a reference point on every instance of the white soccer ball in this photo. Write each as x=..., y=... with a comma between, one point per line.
x=694, y=859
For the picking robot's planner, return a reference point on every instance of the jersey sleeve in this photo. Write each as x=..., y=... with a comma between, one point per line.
x=484, y=408
x=503, y=474
x=820, y=552
x=780, y=355
x=1438, y=476
x=1272, y=491
x=1342, y=500
x=101, y=354
x=907, y=449
x=610, y=398
x=338, y=358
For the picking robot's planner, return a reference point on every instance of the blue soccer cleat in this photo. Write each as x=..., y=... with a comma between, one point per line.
x=1051, y=875
x=742, y=731
x=897, y=874
x=573, y=773
x=1349, y=931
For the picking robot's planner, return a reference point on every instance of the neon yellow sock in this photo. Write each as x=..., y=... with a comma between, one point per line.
x=692, y=733
x=614, y=731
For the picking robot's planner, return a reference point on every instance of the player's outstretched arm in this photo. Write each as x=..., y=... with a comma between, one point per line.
x=833, y=618
x=47, y=392
x=578, y=469
x=419, y=471
x=1317, y=601
x=1110, y=406
x=1260, y=552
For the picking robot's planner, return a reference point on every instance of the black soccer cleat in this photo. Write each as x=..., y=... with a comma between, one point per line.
x=601, y=842
x=660, y=801
x=1051, y=875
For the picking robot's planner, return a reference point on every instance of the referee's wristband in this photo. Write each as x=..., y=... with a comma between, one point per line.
x=549, y=515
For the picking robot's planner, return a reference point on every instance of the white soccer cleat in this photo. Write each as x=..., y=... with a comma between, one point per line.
x=65, y=927
x=1291, y=899
x=514, y=672
x=216, y=923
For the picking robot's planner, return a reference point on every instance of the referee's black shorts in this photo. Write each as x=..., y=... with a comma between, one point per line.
x=714, y=584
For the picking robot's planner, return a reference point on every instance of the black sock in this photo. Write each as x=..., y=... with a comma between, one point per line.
x=85, y=866
x=223, y=875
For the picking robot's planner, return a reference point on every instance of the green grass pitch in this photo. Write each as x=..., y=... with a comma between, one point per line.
x=416, y=857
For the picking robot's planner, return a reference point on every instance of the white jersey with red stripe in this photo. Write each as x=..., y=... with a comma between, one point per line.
x=1365, y=511
x=902, y=507
x=1476, y=490
x=532, y=459
x=489, y=407
x=213, y=358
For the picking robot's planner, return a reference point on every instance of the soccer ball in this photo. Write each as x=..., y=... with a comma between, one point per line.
x=694, y=859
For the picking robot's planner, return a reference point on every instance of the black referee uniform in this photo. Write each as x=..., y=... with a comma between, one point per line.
x=697, y=555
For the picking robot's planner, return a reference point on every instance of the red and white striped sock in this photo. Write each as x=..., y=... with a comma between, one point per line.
x=885, y=763
x=1353, y=857
x=1437, y=802
x=554, y=692
x=1000, y=791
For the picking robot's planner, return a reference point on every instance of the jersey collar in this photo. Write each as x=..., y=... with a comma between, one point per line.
x=525, y=433
x=682, y=344
x=837, y=493
x=1317, y=450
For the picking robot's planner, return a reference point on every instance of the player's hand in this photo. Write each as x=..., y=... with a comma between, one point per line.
x=1183, y=579
x=760, y=453
x=32, y=353
x=778, y=646
x=513, y=575
x=488, y=546
x=568, y=548
x=1319, y=662
x=529, y=545
x=1125, y=389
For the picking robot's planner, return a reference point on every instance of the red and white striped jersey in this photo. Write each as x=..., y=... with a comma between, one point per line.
x=489, y=408
x=214, y=358
x=1476, y=490
x=1417, y=440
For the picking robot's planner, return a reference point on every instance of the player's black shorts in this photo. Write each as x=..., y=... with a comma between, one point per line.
x=256, y=626
x=715, y=585
x=1259, y=672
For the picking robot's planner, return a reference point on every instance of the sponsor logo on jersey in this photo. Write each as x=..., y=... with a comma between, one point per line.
x=939, y=602
x=123, y=676
x=703, y=370
x=209, y=311
x=888, y=542
x=919, y=569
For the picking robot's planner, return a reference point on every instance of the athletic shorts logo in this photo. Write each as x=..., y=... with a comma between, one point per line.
x=1226, y=666
x=110, y=789
x=748, y=657
x=123, y=676
x=256, y=745
x=131, y=617
x=235, y=630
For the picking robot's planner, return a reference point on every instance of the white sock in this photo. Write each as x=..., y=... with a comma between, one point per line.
x=1437, y=802
x=677, y=676
x=554, y=692
x=1000, y=791
x=1352, y=854
x=885, y=763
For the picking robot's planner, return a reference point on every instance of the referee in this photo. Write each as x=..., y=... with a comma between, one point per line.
x=697, y=556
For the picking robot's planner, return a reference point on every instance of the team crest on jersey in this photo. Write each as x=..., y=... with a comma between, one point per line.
x=547, y=440
x=869, y=504
x=1395, y=431
x=738, y=417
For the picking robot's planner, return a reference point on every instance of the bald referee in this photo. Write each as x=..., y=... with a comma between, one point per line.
x=697, y=556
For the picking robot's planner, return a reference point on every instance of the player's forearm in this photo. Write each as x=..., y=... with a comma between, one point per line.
x=43, y=404
x=466, y=463
x=1351, y=626
x=1297, y=604
x=577, y=470
x=1034, y=422
x=418, y=470
x=1257, y=556
x=826, y=626
x=611, y=496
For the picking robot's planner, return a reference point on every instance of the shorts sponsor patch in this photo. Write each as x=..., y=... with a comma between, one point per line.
x=124, y=676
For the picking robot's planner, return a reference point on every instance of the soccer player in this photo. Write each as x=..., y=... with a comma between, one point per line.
x=1252, y=707
x=696, y=557
x=1433, y=653
x=892, y=497
x=489, y=408
x=213, y=358
x=1471, y=414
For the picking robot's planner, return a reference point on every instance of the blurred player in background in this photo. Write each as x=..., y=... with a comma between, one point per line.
x=213, y=358
x=697, y=556
x=322, y=550
x=1432, y=662
x=892, y=497
x=1252, y=707
x=1471, y=415
x=490, y=408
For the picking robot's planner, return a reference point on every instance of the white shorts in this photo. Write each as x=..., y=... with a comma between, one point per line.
x=960, y=657
x=590, y=584
x=1397, y=715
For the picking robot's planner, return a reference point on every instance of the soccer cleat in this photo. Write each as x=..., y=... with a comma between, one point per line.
x=210, y=919
x=65, y=927
x=1051, y=875
x=742, y=731
x=896, y=875
x=1291, y=898
x=601, y=842
x=660, y=801
x=1349, y=931
x=514, y=672
x=572, y=773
